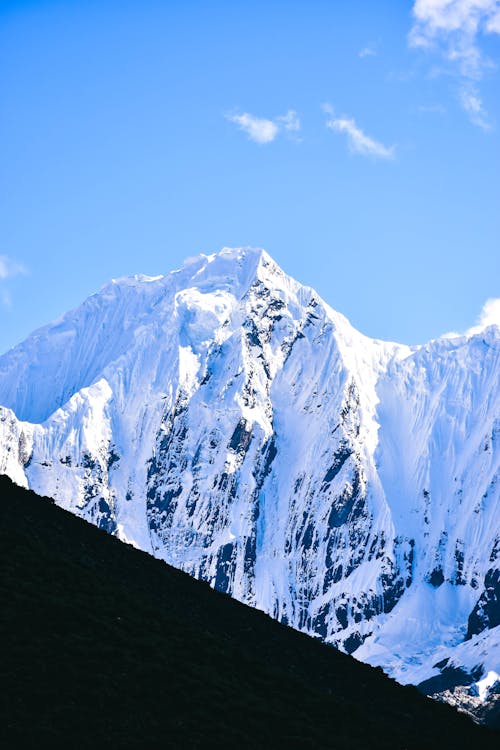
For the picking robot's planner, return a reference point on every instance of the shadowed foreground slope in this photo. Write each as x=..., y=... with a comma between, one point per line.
x=103, y=644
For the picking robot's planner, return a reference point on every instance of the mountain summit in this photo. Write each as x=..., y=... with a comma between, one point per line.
x=227, y=420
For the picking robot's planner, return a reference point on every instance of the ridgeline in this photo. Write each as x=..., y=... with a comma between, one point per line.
x=103, y=645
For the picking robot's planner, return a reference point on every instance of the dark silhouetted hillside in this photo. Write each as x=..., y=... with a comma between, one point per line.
x=105, y=646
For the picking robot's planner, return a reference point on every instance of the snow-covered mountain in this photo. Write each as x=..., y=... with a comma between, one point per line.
x=227, y=420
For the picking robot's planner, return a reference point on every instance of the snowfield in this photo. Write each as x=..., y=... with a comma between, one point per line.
x=228, y=421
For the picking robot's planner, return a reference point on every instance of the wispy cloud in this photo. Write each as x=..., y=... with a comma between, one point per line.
x=9, y=268
x=5, y=298
x=368, y=51
x=263, y=130
x=471, y=102
x=453, y=29
x=290, y=121
x=358, y=141
x=490, y=314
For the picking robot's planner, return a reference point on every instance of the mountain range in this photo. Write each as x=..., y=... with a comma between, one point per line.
x=227, y=420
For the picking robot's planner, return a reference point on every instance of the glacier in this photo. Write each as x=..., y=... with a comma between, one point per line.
x=227, y=420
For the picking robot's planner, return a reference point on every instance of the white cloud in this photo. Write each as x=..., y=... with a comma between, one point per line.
x=358, y=141
x=465, y=17
x=453, y=27
x=290, y=121
x=263, y=130
x=258, y=129
x=367, y=52
x=9, y=268
x=493, y=23
x=490, y=315
x=473, y=105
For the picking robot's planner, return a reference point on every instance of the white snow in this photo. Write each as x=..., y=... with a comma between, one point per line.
x=226, y=407
x=484, y=685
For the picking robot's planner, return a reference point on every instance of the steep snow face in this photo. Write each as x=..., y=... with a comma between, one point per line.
x=438, y=457
x=226, y=419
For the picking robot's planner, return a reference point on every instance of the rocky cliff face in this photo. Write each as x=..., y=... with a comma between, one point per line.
x=227, y=420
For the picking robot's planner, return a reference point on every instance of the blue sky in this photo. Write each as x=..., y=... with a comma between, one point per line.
x=358, y=142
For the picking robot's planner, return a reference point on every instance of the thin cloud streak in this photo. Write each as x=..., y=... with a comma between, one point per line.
x=358, y=141
x=472, y=104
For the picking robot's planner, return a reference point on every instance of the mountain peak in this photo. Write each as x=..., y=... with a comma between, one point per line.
x=237, y=267
x=134, y=314
x=226, y=419
x=233, y=269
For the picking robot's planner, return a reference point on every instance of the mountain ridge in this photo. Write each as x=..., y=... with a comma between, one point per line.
x=104, y=645
x=226, y=419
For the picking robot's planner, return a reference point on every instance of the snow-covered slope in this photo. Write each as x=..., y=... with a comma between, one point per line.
x=226, y=419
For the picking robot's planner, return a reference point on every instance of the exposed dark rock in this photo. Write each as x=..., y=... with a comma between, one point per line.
x=269, y=451
x=343, y=505
x=354, y=641
x=341, y=614
x=113, y=458
x=449, y=678
x=318, y=622
x=339, y=458
x=393, y=587
x=458, y=576
x=241, y=437
x=436, y=577
x=486, y=613
x=441, y=664
x=24, y=454
x=88, y=462
x=225, y=567
x=165, y=466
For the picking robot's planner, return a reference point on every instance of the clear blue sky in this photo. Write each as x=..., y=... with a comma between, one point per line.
x=130, y=140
